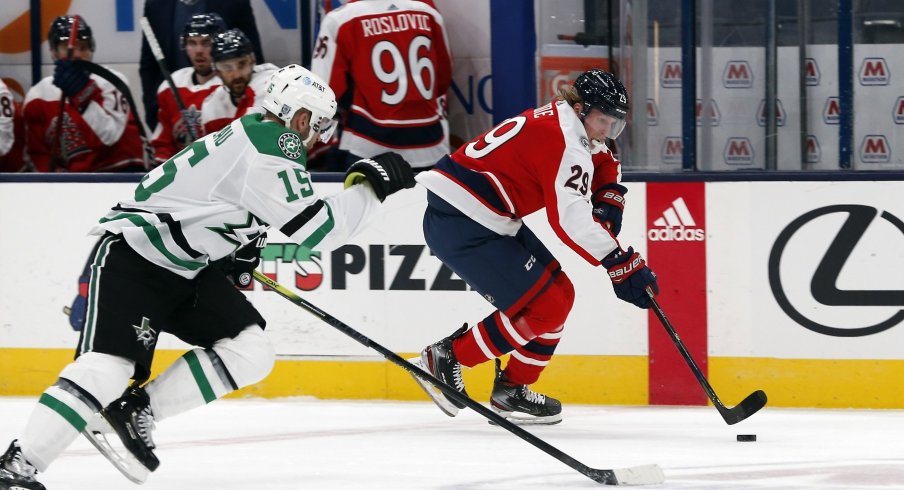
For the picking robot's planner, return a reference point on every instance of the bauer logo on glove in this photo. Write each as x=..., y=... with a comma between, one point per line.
x=386, y=173
x=621, y=272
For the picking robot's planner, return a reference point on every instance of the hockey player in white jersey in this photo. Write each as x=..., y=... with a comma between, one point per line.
x=152, y=274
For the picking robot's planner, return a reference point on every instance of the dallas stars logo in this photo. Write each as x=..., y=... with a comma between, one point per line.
x=240, y=233
x=290, y=145
x=146, y=335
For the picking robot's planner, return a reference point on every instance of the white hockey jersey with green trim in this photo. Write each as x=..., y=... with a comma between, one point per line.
x=226, y=189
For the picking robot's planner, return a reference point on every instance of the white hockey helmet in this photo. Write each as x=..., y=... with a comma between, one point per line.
x=293, y=87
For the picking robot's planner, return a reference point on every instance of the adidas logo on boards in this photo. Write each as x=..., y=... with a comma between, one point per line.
x=676, y=224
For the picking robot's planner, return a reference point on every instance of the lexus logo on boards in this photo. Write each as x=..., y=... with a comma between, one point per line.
x=826, y=285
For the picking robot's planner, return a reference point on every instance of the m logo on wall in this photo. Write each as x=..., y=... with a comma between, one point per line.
x=827, y=286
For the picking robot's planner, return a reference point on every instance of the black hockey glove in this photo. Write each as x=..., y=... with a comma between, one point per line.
x=387, y=173
x=241, y=265
x=630, y=277
x=74, y=83
x=608, y=206
x=69, y=78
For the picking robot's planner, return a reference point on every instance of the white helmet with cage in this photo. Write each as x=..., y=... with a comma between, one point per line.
x=292, y=88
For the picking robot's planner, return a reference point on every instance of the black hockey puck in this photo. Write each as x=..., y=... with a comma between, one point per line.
x=746, y=437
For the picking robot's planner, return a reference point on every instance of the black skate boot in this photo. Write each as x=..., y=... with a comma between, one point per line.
x=439, y=360
x=520, y=404
x=130, y=416
x=17, y=473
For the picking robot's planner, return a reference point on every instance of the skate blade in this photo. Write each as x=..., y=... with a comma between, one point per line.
x=433, y=392
x=524, y=419
x=96, y=432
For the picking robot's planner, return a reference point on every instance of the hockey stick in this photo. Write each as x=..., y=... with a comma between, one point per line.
x=56, y=157
x=746, y=408
x=123, y=89
x=637, y=475
x=161, y=62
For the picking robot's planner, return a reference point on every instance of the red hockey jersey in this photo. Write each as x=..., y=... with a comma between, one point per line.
x=102, y=138
x=539, y=159
x=171, y=134
x=217, y=110
x=392, y=60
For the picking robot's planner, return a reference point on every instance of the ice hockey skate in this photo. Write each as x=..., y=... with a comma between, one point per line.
x=15, y=472
x=520, y=404
x=130, y=419
x=439, y=360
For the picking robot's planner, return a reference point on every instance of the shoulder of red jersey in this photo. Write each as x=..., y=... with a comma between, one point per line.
x=353, y=10
x=43, y=90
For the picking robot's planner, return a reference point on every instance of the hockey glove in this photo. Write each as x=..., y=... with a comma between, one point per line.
x=630, y=277
x=75, y=84
x=608, y=206
x=387, y=173
x=78, y=312
x=244, y=261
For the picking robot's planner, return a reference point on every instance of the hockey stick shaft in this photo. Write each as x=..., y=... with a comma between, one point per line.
x=161, y=62
x=746, y=408
x=57, y=155
x=608, y=477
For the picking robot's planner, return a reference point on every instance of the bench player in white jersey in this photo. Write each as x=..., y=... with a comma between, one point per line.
x=194, y=83
x=12, y=133
x=151, y=274
x=390, y=61
x=243, y=81
x=551, y=157
x=99, y=129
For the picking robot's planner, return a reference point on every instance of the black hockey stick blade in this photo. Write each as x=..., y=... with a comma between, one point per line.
x=637, y=475
x=748, y=406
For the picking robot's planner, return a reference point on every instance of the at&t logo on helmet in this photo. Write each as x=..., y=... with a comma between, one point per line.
x=676, y=224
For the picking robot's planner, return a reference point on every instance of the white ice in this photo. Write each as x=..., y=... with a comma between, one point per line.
x=318, y=444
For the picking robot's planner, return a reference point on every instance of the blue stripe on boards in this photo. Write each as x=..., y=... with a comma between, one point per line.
x=125, y=15
x=513, y=46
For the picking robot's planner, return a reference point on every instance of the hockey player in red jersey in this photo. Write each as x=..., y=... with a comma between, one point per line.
x=243, y=81
x=194, y=84
x=391, y=62
x=99, y=130
x=551, y=157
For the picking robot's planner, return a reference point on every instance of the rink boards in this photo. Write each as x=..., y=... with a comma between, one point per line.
x=791, y=287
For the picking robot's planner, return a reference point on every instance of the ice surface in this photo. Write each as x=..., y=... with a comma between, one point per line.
x=316, y=444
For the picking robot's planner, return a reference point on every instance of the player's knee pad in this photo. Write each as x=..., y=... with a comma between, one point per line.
x=103, y=376
x=547, y=312
x=249, y=356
